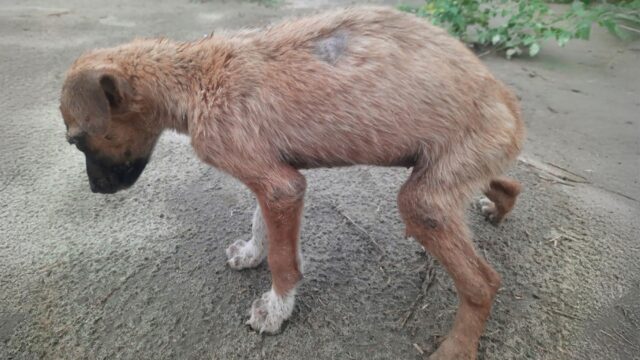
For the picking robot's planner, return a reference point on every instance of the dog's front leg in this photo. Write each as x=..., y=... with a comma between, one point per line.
x=281, y=196
x=248, y=254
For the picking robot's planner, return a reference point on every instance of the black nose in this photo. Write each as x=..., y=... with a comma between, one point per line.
x=102, y=185
x=108, y=178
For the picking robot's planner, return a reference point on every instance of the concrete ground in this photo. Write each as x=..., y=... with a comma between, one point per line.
x=141, y=274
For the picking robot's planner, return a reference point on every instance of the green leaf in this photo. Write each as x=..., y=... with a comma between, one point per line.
x=583, y=31
x=563, y=38
x=407, y=8
x=524, y=24
x=612, y=27
x=511, y=52
x=528, y=40
x=534, y=49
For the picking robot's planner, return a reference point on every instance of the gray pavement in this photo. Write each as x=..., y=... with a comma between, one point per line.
x=141, y=274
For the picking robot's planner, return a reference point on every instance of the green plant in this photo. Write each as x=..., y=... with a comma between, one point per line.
x=516, y=26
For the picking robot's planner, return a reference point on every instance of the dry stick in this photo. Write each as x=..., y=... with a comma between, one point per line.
x=609, y=335
x=562, y=313
x=428, y=280
x=108, y=295
x=485, y=53
x=621, y=194
x=571, y=235
x=358, y=227
x=493, y=49
x=554, y=240
x=60, y=13
x=584, y=180
x=564, y=234
x=558, y=181
x=412, y=309
x=540, y=166
x=526, y=162
x=624, y=338
x=629, y=28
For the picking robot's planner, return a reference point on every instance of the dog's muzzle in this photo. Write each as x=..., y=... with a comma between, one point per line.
x=108, y=178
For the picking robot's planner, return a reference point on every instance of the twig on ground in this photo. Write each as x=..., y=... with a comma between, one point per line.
x=427, y=282
x=555, y=181
x=552, y=170
x=629, y=28
x=59, y=13
x=582, y=178
x=620, y=337
x=564, y=234
x=609, y=335
x=621, y=194
x=554, y=240
x=412, y=309
x=118, y=287
x=625, y=339
x=418, y=348
x=106, y=297
x=562, y=313
x=358, y=227
x=485, y=53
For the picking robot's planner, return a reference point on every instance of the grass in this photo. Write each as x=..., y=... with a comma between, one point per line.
x=516, y=27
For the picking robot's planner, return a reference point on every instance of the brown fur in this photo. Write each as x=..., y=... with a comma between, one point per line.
x=361, y=86
x=503, y=193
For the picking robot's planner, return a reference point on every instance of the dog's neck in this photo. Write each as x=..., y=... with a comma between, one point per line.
x=174, y=79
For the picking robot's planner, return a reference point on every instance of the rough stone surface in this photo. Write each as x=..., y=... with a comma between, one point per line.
x=142, y=274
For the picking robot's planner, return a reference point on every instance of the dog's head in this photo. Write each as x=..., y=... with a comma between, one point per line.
x=103, y=122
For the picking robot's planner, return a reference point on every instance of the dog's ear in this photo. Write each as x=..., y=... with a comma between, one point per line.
x=92, y=96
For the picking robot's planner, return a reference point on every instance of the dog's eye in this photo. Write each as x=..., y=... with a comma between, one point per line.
x=76, y=137
x=108, y=137
x=79, y=141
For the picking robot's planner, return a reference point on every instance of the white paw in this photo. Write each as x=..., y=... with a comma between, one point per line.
x=269, y=311
x=244, y=254
x=487, y=208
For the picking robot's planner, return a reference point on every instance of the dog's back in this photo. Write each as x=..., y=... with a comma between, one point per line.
x=376, y=86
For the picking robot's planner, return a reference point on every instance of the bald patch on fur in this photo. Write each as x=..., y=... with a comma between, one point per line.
x=329, y=49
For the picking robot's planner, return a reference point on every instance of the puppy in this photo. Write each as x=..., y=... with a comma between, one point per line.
x=366, y=85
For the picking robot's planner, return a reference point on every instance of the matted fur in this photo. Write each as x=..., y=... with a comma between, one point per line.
x=366, y=85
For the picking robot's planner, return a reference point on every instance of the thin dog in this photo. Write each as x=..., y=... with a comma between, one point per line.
x=366, y=85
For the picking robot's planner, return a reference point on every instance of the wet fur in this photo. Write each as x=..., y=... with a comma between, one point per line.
x=361, y=86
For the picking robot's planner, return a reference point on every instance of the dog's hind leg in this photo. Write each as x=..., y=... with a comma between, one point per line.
x=248, y=254
x=280, y=193
x=432, y=208
x=500, y=198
